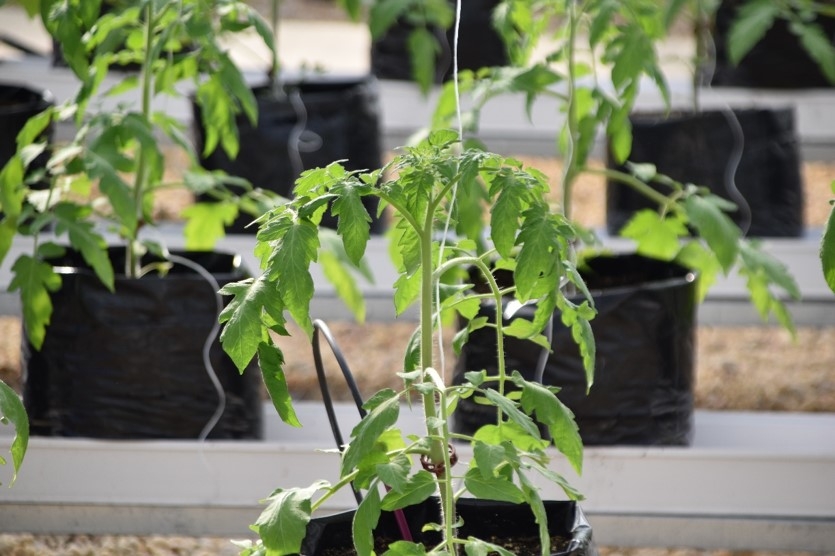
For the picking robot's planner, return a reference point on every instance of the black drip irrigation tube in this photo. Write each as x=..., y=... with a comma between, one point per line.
x=319, y=327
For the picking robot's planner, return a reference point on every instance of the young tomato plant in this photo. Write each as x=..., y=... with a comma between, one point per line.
x=421, y=186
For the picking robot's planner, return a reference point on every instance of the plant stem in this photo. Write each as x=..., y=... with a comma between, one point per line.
x=141, y=179
x=634, y=183
x=438, y=435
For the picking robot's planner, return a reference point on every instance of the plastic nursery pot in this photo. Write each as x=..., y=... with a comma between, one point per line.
x=498, y=522
x=479, y=45
x=644, y=331
x=702, y=147
x=131, y=364
x=777, y=61
x=18, y=103
x=310, y=124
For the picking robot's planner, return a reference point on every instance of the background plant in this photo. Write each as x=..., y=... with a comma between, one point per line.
x=105, y=178
x=420, y=186
x=756, y=17
x=601, y=52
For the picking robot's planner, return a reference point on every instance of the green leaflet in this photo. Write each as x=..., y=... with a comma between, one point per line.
x=283, y=523
x=551, y=412
x=71, y=219
x=416, y=489
x=379, y=419
x=492, y=487
x=827, y=251
x=818, y=46
x=34, y=279
x=716, y=227
x=423, y=47
x=244, y=329
x=206, y=223
x=754, y=18
x=365, y=520
x=271, y=361
x=12, y=411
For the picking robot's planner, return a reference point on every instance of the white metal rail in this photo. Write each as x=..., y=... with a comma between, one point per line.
x=749, y=481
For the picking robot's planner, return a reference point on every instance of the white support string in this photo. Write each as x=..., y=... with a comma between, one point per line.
x=454, y=192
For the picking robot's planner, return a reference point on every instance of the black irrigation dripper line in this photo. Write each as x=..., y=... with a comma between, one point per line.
x=319, y=326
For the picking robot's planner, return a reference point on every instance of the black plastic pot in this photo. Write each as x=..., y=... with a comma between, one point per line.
x=18, y=103
x=319, y=121
x=644, y=331
x=777, y=61
x=130, y=364
x=484, y=519
x=700, y=147
x=480, y=45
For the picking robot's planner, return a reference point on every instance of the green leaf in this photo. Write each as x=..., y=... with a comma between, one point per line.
x=383, y=415
x=509, y=408
x=365, y=520
x=12, y=190
x=513, y=433
x=12, y=411
x=70, y=218
x=423, y=48
x=383, y=14
x=715, y=227
x=283, y=523
x=557, y=479
x=631, y=59
x=492, y=487
x=290, y=263
x=696, y=256
x=827, y=250
x=354, y=222
x=271, y=361
x=538, y=262
x=551, y=412
x=619, y=131
x=244, y=329
x=418, y=488
x=754, y=18
x=206, y=223
x=525, y=330
x=504, y=217
x=34, y=279
x=395, y=473
x=538, y=508
x=762, y=272
x=819, y=47
x=478, y=547
x=491, y=457
x=655, y=235
x=576, y=318
x=406, y=291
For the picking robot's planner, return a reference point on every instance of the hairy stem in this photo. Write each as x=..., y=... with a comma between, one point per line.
x=141, y=179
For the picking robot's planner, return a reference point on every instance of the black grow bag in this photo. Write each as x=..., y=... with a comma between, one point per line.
x=479, y=45
x=130, y=364
x=644, y=331
x=484, y=519
x=776, y=61
x=339, y=118
x=699, y=148
x=18, y=103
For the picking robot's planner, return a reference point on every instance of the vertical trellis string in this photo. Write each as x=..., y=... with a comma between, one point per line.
x=459, y=122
